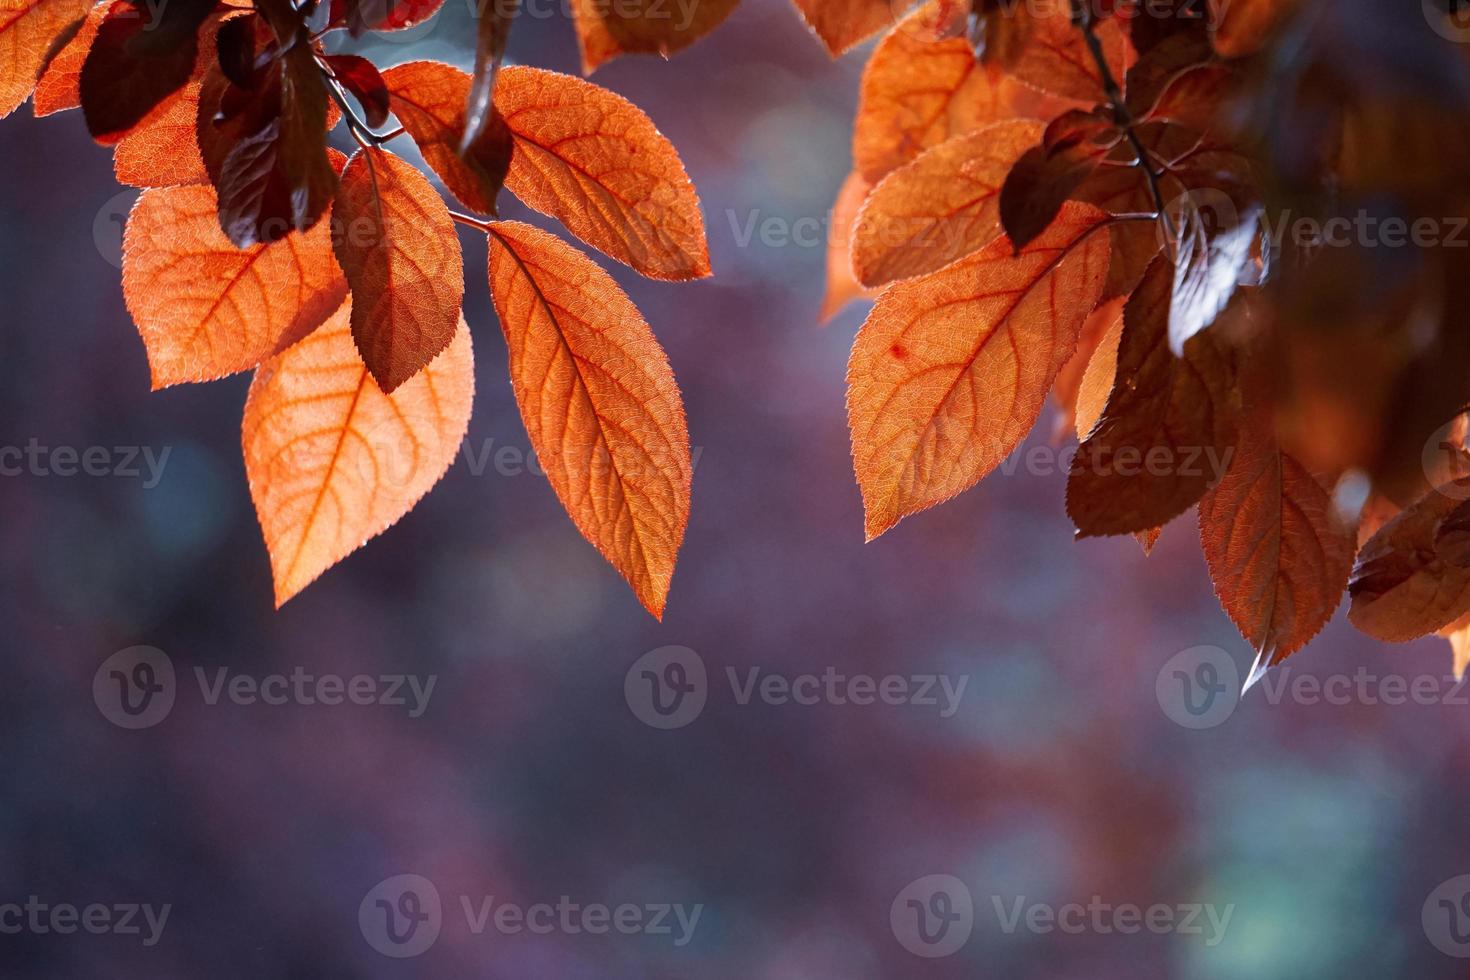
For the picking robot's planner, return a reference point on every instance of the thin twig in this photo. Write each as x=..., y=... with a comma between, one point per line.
x=1086, y=21
x=361, y=131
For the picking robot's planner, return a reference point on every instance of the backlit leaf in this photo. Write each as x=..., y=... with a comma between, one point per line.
x=843, y=24
x=429, y=100
x=940, y=207
x=599, y=402
x=60, y=85
x=593, y=160
x=1279, y=555
x=28, y=29
x=1402, y=588
x=951, y=370
x=1242, y=26
x=1046, y=175
x=1083, y=385
x=332, y=461
x=205, y=308
x=842, y=286
x=606, y=30
x=923, y=86
x=1168, y=430
x=1055, y=59
x=395, y=241
x=141, y=55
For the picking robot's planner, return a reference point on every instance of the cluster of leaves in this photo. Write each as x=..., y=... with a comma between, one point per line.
x=1078, y=198
x=256, y=245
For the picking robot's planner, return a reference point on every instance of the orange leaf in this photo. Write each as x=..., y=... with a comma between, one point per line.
x=843, y=24
x=1402, y=587
x=1054, y=57
x=163, y=150
x=28, y=29
x=1242, y=26
x=841, y=286
x=1458, y=633
x=396, y=242
x=332, y=461
x=940, y=207
x=660, y=27
x=429, y=100
x=1147, y=539
x=206, y=308
x=950, y=371
x=1097, y=380
x=593, y=160
x=923, y=86
x=60, y=86
x=1279, y=556
x=1167, y=432
x=599, y=403
x=1082, y=387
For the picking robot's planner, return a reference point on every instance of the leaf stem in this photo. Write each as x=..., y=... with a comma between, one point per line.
x=488, y=227
x=360, y=130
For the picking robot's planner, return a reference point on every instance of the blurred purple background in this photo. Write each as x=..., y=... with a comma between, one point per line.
x=1322, y=828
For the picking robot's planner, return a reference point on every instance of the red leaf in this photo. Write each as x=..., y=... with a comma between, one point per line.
x=139, y=57
x=1046, y=175
x=429, y=100
x=1402, y=587
x=1168, y=428
x=395, y=240
x=29, y=30
x=360, y=77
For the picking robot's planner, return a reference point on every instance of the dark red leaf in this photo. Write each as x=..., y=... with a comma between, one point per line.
x=360, y=77
x=265, y=148
x=235, y=48
x=1046, y=175
x=140, y=56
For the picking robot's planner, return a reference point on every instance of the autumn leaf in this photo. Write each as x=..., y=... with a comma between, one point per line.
x=951, y=370
x=28, y=30
x=660, y=27
x=923, y=86
x=844, y=24
x=265, y=148
x=842, y=287
x=360, y=77
x=1159, y=68
x=942, y=206
x=593, y=160
x=60, y=86
x=1083, y=384
x=1210, y=262
x=332, y=461
x=1043, y=177
x=1279, y=555
x=429, y=100
x=139, y=57
x=1055, y=59
x=1458, y=633
x=1402, y=587
x=206, y=309
x=395, y=241
x=1168, y=428
x=599, y=403
x=1242, y=26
